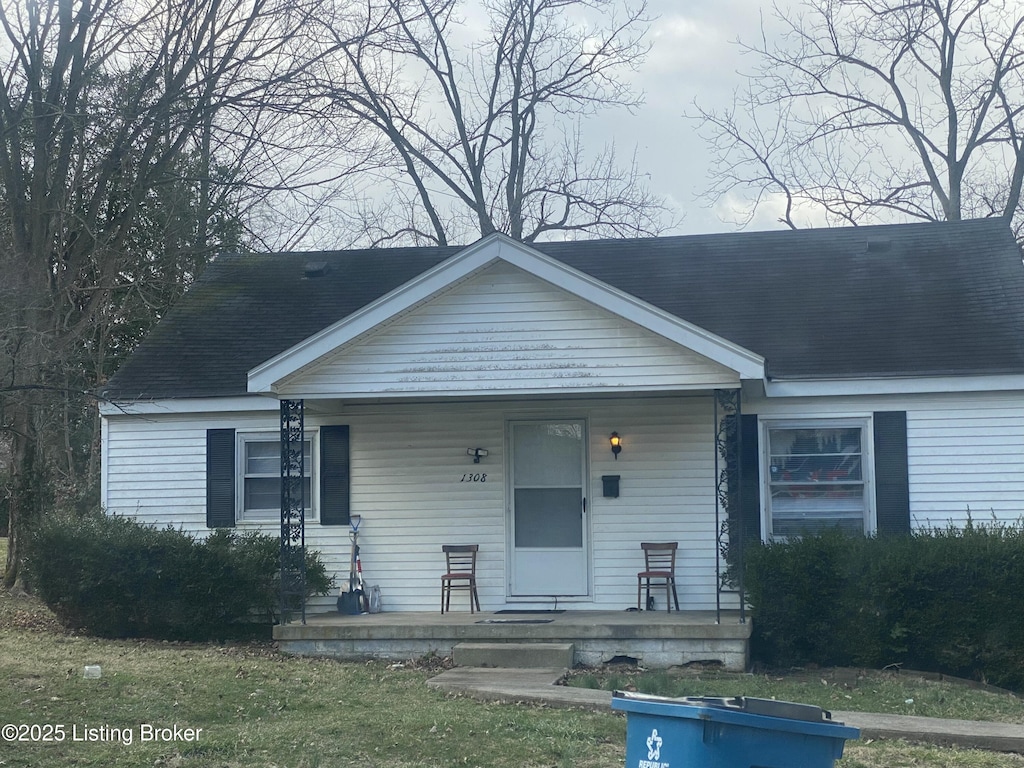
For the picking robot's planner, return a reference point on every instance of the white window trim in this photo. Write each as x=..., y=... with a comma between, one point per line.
x=269, y=435
x=838, y=422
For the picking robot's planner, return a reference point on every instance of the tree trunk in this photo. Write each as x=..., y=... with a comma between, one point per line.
x=21, y=491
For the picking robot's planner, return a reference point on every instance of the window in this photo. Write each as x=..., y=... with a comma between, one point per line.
x=259, y=478
x=817, y=478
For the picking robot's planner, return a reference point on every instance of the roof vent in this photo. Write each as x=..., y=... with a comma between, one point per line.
x=315, y=269
x=878, y=245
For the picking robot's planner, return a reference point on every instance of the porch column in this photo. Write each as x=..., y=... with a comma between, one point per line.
x=293, y=510
x=728, y=499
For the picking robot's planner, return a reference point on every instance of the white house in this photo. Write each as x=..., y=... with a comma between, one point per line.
x=876, y=375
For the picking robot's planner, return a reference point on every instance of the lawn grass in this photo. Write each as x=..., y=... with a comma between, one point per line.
x=893, y=692
x=257, y=708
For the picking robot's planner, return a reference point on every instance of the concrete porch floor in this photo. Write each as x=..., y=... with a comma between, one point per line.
x=656, y=639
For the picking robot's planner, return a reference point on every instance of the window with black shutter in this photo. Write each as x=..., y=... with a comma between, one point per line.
x=820, y=473
x=258, y=483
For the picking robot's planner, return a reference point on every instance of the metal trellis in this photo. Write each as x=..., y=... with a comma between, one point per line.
x=728, y=499
x=293, y=510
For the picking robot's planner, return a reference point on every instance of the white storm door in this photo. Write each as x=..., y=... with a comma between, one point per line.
x=548, y=509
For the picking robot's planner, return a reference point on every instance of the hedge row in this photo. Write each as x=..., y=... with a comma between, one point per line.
x=942, y=600
x=113, y=577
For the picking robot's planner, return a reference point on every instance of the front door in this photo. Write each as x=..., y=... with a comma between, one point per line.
x=548, y=522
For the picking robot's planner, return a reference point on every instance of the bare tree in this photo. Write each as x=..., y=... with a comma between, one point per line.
x=879, y=110
x=486, y=133
x=124, y=128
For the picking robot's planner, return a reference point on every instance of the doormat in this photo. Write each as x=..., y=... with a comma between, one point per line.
x=510, y=610
x=515, y=621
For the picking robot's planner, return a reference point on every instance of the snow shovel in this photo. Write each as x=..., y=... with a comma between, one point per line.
x=351, y=602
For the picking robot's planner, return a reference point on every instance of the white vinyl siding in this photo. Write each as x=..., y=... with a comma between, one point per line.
x=155, y=471
x=966, y=457
x=667, y=487
x=505, y=331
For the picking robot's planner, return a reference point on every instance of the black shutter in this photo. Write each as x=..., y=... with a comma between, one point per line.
x=220, y=478
x=334, y=475
x=892, y=479
x=750, y=478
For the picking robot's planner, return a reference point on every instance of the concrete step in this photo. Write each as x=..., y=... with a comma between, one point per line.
x=517, y=655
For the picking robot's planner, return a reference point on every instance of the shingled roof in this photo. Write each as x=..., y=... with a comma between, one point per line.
x=900, y=300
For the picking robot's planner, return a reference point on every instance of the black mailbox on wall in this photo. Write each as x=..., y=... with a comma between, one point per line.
x=611, y=486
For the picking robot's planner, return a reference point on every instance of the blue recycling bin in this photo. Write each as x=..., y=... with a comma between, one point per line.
x=705, y=732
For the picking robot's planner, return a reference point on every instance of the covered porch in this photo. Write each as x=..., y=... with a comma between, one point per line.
x=655, y=639
x=414, y=489
x=475, y=406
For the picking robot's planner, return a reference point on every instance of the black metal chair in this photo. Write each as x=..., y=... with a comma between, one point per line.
x=659, y=565
x=460, y=562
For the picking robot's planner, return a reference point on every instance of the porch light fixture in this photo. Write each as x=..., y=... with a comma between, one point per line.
x=476, y=453
x=616, y=442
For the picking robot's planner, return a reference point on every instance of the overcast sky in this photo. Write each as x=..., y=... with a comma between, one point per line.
x=693, y=56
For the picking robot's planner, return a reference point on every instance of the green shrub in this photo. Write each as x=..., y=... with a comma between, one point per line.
x=943, y=600
x=114, y=577
x=797, y=591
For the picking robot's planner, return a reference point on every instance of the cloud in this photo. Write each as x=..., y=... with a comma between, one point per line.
x=739, y=211
x=701, y=41
x=676, y=43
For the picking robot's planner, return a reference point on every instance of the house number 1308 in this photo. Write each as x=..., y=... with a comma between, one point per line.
x=479, y=477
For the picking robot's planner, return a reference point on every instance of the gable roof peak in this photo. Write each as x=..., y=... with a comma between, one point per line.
x=472, y=259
